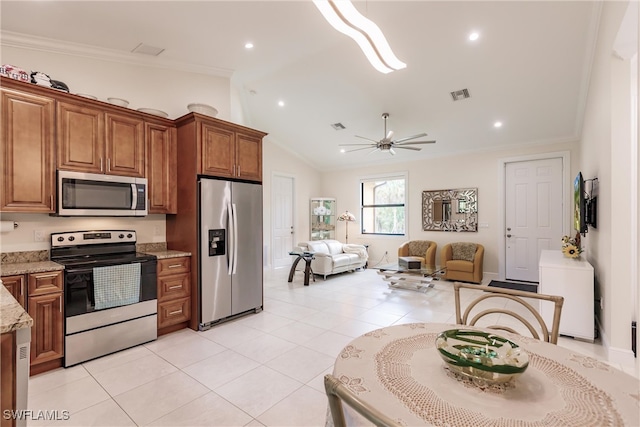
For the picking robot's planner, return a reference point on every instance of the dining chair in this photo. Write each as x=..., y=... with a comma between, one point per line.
x=490, y=292
x=338, y=393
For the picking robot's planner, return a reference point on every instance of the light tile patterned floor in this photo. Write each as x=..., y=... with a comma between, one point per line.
x=262, y=369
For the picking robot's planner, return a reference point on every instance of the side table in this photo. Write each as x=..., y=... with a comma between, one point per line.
x=307, y=257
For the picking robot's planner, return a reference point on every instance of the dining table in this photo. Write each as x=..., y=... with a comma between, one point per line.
x=398, y=370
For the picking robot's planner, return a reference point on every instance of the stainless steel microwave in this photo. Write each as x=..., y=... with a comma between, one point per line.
x=88, y=194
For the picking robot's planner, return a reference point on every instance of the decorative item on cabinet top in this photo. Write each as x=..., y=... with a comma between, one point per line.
x=118, y=101
x=205, y=109
x=153, y=111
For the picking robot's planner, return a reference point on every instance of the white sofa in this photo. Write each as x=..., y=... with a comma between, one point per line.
x=332, y=256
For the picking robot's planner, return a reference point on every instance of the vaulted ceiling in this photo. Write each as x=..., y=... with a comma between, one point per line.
x=529, y=68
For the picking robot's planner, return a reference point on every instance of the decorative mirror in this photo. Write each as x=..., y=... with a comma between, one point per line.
x=450, y=210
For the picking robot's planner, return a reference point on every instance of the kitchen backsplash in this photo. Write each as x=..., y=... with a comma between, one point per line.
x=27, y=256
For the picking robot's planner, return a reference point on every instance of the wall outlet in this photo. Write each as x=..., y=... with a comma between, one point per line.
x=38, y=235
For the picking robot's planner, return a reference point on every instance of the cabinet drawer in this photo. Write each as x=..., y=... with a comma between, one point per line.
x=174, y=286
x=173, y=266
x=174, y=311
x=45, y=283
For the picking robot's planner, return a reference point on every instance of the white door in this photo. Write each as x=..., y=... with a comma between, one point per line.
x=533, y=217
x=282, y=231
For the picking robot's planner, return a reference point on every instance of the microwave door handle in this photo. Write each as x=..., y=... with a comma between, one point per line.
x=134, y=196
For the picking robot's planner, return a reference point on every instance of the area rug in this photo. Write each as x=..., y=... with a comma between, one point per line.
x=529, y=287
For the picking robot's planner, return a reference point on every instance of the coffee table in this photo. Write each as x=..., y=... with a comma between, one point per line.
x=418, y=279
x=307, y=257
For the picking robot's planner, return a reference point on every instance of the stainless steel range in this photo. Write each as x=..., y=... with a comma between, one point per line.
x=110, y=292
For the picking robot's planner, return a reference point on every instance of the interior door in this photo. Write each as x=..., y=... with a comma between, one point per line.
x=533, y=217
x=282, y=231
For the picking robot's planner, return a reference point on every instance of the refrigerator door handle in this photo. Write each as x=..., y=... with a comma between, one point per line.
x=235, y=238
x=231, y=238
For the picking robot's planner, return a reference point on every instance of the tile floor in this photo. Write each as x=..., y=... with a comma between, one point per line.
x=262, y=369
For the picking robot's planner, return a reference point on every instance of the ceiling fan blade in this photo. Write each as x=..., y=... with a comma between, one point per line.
x=368, y=139
x=420, y=135
x=358, y=149
x=348, y=145
x=415, y=142
x=373, y=151
x=409, y=148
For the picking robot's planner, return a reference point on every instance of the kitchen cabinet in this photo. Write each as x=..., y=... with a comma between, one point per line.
x=161, y=140
x=174, y=293
x=16, y=287
x=323, y=218
x=222, y=149
x=45, y=305
x=27, y=163
x=573, y=280
x=96, y=139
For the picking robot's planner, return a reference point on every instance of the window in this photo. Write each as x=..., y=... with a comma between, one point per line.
x=382, y=205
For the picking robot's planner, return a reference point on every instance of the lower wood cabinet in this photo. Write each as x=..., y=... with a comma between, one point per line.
x=174, y=293
x=16, y=287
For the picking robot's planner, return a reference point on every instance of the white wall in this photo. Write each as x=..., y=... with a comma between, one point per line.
x=473, y=170
x=605, y=154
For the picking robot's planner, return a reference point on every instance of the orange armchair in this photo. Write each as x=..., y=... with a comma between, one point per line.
x=424, y=249
x=463, y=261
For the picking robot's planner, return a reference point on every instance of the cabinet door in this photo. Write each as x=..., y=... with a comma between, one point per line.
x=46, y=332
x=45, y=283
x=161, y=168
x=125, y=145
x=218, y=151
x=15, y=286
x=248, y=157
x=80, y=138
x=27, y=148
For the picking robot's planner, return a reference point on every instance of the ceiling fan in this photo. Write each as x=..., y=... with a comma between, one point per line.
x=387, y=143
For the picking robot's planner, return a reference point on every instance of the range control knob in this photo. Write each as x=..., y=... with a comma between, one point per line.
x=129, y=235
x=60, y=239
x=71, y=238
x=121, y=236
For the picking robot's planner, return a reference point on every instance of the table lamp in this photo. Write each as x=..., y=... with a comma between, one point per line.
x=348, y=217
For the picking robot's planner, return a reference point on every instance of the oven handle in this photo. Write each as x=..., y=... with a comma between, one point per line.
x=89, y=269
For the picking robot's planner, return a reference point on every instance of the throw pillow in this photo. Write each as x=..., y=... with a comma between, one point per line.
x=463, y=251
x=418, y=247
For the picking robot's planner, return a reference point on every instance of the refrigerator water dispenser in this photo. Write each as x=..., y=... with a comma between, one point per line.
x=217, y=242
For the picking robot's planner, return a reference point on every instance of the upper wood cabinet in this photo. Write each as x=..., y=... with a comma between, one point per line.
x=27, y=163
x=221, y=149
x=93, y=140
x=161, y=143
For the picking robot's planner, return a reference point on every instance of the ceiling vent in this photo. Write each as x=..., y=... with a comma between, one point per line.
x=338, y=126
x=145, y=49
x=460, y=94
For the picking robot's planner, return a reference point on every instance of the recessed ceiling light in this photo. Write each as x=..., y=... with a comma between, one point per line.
x=248, y=45
x=342, y=150
x=497, y=125
x=281, y=103
x=474, y=36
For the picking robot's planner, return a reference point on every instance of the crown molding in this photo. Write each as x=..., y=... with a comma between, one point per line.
x=25, y=41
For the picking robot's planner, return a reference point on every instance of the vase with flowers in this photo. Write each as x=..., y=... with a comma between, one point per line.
x=571, y=246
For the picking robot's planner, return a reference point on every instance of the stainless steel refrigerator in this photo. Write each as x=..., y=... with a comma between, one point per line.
x=230, y=255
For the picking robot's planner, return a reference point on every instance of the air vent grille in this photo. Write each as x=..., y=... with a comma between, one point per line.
x=145, y=49
x=460, y=94
x=338, y=126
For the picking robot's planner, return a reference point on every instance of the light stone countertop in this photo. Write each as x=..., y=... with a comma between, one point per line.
x=12, y=315
x=29, y=267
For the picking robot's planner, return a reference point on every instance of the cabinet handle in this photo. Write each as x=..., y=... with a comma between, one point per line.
x=108, y=165
x=60, y=306
x=46, y=275
x=175, y=266
x=233, y=170
x=238, y=170
x=51, y=202
x=171, y=313
x=100, y=164
x=22, y=287
x=175, y=287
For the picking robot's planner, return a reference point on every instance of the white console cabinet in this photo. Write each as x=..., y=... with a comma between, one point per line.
x=573, y=280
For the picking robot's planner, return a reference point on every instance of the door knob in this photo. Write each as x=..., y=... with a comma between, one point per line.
x=508, y=235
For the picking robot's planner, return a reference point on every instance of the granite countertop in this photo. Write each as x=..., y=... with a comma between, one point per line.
x=12, y=315
x=168, y=254
x=29, y=267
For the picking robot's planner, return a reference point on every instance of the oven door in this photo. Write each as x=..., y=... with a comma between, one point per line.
x=86, y=194
x=80, y=296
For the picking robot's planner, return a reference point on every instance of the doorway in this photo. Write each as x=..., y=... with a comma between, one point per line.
x=535, y=212
x=282, y=231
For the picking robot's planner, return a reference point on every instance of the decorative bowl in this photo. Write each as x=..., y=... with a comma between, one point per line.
x=205, y=109
x=86, y=95
x=153, y=111
x=481, y=355
x=118, y=101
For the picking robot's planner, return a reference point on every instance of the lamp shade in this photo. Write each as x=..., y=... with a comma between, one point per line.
x=347, y=216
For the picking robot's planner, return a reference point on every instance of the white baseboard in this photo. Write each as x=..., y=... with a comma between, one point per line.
x=621, y=356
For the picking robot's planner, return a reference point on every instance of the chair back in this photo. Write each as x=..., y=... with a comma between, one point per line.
x=338, y=393
x=517, y=296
